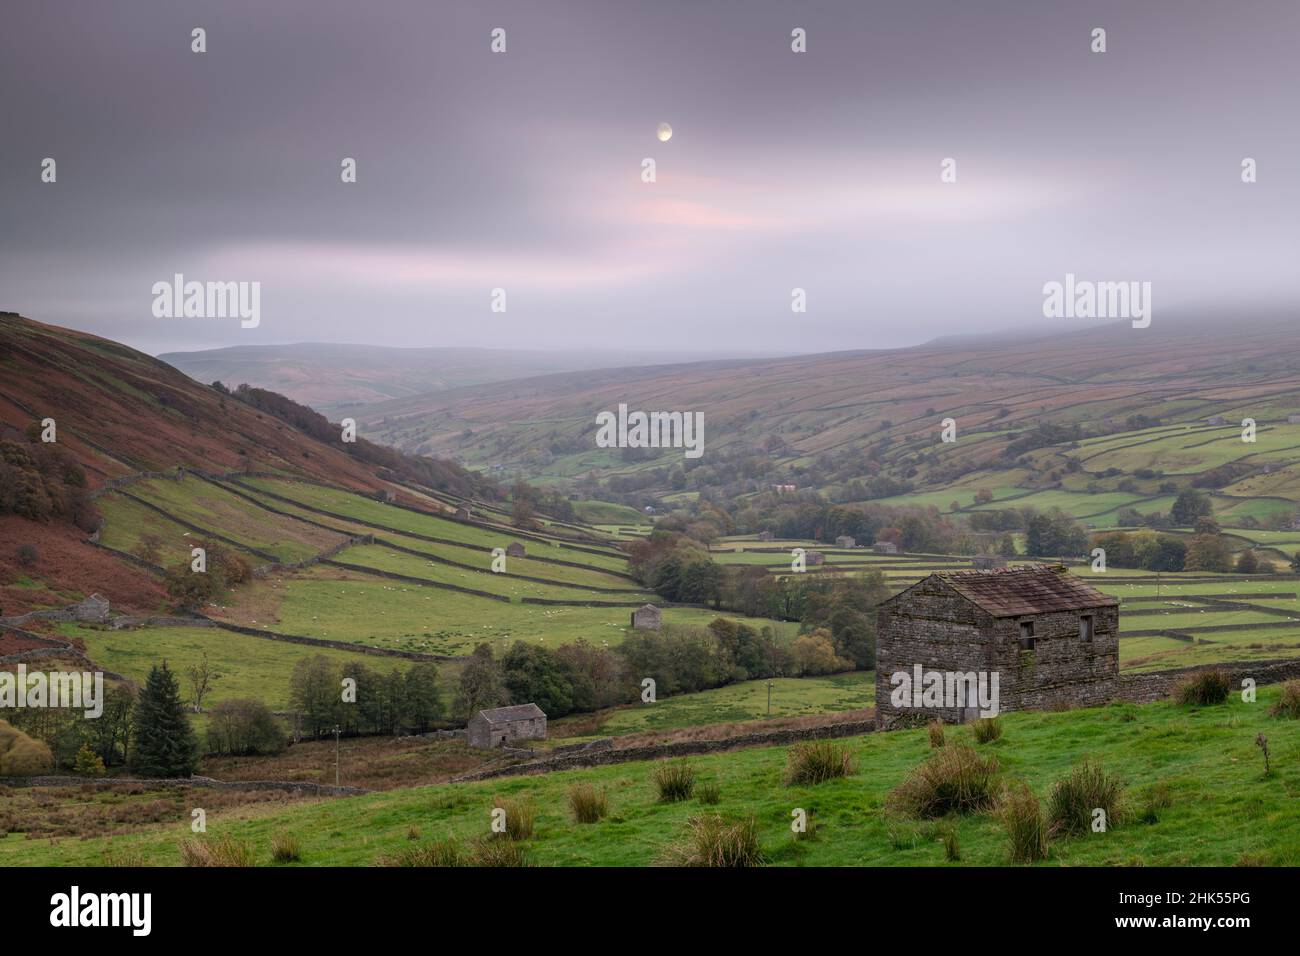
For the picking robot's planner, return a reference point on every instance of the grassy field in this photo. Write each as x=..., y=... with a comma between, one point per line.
x=790, y=696
x=249, y=666
x=343, y=606
x=1222, y=809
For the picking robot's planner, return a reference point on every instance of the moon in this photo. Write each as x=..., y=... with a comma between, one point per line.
x=665, y=132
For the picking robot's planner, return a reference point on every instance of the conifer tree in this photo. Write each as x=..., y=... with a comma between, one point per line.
x=164, y=742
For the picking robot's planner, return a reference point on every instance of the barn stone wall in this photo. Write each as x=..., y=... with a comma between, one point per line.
x=938, y=629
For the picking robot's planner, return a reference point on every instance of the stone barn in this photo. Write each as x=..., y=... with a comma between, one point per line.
x=987, y=562
x=846, y=541
x=516, y=549
x=815, y=557
x=647, y=618
x=765, y=536
x=464, y=513
x=885, y=547
x=1050, y=639
x=503, y=726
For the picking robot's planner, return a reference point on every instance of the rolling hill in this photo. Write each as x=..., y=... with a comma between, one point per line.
x=335, y=379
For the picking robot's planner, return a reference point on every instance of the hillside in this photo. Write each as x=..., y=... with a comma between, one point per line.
x=1099, y=420
x=118, y=412
x=334, y=379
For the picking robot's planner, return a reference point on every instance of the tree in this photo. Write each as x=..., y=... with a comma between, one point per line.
x=533, y=674
x=315, y=693
x=88, y=763
x=1208, y=552
x=1295, y=562
x=164, y=741
x=1247, y=562
x=1189, y=506
x=421, y=698
x=243, y=727
x=201, y=677
x=481, y=685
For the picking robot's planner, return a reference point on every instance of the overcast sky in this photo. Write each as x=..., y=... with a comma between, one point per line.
x=521, y=170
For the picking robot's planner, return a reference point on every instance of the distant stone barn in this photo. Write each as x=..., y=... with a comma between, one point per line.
x=464, y=513
x=815, y=557
x=884, y=547
x=516, y=549
x=647, y=618
x=987, y=562
x=846, y=541
x=765, y=536
x=503, y=726
x=1052, y=640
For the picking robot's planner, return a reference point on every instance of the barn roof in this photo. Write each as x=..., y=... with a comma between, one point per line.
x=505, y=715
x=1028, y=589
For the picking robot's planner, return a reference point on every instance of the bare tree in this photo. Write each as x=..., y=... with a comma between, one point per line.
x=201, y=678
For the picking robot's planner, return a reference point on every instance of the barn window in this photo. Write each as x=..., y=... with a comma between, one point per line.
x=1026, y=635
x=1085, y=628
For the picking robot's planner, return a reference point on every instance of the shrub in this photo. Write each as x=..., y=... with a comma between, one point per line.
x=520, y=815
x=1288, y=705
x=1022, y=818
x=818, y=761
x=21, y=755
x=28, y=555
x=1073, y=798
x=88, y=763
x=225, y=851
x=935, y=728
x=1203, y=688
x=955, y=779
x=986, y=729
x=285, y=848
x=709, y=793
x=711, y=840
x=674, y=781
x=588, y=803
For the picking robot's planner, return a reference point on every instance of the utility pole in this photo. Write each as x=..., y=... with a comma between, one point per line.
x=336, y=755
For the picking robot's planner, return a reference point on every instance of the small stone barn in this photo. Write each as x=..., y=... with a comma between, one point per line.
x=1051, y=639
x=885, y=547
x=516, y=549
x=846, y=541
x=815, y=557
x=464, y=512
x=765, y=536
x=987, y=562
x=647, y=618
x=505, y=725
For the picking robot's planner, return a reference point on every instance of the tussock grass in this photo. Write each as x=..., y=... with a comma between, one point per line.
x=1073, y=798
x=818, y=761
x=675, y=781
x=521, y=814
x=1288, y=705
x=713, y=840
x=954, y=780
x=986, y=729
x=1203, y=689
x=222, y=851
x=935, y=729
x=588, y=803
x=1021, y=815
x=285, y=848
